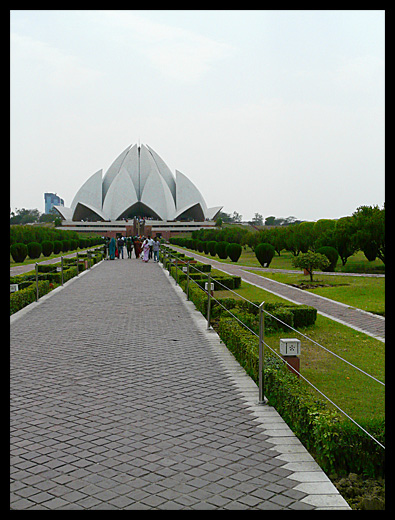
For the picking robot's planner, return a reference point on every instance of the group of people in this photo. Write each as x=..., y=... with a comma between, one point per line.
x=146, y=247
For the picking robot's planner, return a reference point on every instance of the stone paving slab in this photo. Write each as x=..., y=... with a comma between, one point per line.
x=121, y=399
x=366, y=322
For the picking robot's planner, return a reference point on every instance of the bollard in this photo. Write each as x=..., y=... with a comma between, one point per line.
x=290, y=350
x=187, y=280
x=36, y=282
x=262, y=399
x=61, y=267
x=176, y=272
x=208, y=299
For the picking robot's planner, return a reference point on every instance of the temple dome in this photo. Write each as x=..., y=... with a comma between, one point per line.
x=138, y=183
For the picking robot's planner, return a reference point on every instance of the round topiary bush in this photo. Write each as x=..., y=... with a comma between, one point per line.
x=264, y=253
x=57, y=246
x=200, y=246
x=74, y=244
x=211, y=247
x=34, y=250
x=331, y=254
x=18, y=252
x=233, y=250
x=47, y=247
x=220, y=249
x=65, y=245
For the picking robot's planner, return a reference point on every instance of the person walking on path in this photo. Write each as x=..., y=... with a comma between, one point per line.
x=111, y=248
x=137, y=246
x=151, y=243
x=120, y=247
x=155, y=249
x=129, y=247
x=146, y=250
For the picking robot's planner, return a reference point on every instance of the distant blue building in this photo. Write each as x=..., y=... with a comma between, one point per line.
x=51, y=199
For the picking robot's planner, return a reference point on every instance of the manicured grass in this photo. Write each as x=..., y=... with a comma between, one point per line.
x=363, y=292
x=358, y=395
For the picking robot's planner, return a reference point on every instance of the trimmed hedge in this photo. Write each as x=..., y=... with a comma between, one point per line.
x=18, y=252
x=47, y=247
x=264, y=253
x=220, y=249
x=34, y=250
x=331, y=254
x=337, y=444
x=233, y=251
x=21, y=298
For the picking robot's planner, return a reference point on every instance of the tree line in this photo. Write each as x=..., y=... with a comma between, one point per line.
x=363, y=231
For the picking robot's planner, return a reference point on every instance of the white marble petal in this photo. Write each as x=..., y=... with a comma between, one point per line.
x=90, y=192
x=120, y=195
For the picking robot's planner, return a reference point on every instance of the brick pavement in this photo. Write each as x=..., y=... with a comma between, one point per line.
x=121, y=399
x=365, y=322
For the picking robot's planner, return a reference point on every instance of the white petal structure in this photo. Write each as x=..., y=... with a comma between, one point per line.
x=138, y=183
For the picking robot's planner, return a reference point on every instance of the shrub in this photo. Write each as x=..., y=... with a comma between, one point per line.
x=220, y=249
x=264, y=253
x=205, y=247
x=65, y=246
x=200, y=246
x=331, y=254
x=18, y=252
x=73, y=244
x=211, y=247
x=233, y=251
x=47, y=247
x=311, y=261
x=20, y=299
x=34, y=250
x=337, y=445
x=57, y=246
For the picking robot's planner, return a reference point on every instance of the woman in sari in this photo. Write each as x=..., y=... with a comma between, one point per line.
x=137, y=246
x=146, y=250
x=111, y=248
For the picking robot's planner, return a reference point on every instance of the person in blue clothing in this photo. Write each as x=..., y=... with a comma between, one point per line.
x=111, y=248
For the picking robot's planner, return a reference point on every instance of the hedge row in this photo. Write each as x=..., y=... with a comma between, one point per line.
x=337, y=444
x=222, y=249
x=19, y=251
x=48, y=278
x=20, y=299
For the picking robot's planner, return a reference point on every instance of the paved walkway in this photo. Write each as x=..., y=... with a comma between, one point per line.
x=121, y=399
x=365, y=322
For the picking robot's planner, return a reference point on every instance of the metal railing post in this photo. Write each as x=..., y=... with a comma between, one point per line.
x=78, y=271
x=176, y=272
x=208, y=299
x=187, y=288
x=61, y=266
x=36, y=282
x=261, y=356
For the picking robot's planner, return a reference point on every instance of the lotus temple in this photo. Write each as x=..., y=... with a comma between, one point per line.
x=138, y=195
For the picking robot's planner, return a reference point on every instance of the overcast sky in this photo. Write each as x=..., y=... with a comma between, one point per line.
x=275, y=112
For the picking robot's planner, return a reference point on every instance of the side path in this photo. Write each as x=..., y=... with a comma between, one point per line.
x=121, y=399
x=357, y=319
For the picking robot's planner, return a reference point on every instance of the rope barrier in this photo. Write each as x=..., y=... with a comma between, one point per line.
x=278, y=355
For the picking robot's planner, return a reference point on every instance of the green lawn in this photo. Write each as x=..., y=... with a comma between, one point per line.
x=363, y=292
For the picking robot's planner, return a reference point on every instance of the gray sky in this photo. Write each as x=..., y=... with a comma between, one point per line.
x=275, y=112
